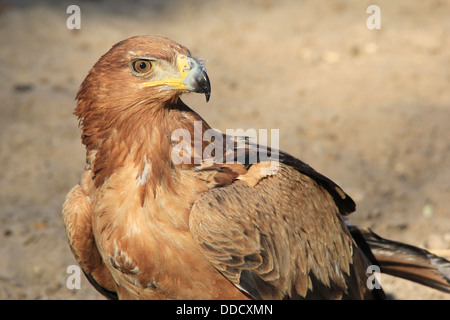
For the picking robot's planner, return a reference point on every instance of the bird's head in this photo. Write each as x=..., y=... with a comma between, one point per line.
x=143, y=69
x=134, y=79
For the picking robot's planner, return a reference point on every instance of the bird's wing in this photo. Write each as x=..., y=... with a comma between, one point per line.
x=279, y=236
x=77, y=219
x=255, y=153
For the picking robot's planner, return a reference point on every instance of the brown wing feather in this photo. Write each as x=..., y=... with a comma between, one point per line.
x=255, y=153
x=344, y=202
x=281, y=238
x=77, y=220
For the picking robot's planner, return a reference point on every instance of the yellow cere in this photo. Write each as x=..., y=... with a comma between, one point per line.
x=177, y=83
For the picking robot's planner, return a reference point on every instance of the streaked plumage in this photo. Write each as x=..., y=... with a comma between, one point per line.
x=143, y=227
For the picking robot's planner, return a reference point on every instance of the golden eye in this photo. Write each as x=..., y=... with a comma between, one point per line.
x=142, y=66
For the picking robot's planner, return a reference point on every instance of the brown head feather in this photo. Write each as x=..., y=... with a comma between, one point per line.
x=119, y=117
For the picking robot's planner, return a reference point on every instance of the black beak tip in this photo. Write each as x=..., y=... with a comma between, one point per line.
x=205, y=85
x=200, y=81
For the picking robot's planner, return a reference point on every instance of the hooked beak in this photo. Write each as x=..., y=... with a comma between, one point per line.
x=197, y=79
x=192, y=77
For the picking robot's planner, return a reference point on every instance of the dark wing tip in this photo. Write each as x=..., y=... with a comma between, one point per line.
x=105, y=292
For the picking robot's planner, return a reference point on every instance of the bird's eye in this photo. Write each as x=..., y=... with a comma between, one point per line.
x=142, y=66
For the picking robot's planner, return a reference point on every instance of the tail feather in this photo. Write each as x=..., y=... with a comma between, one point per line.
x=404, y=260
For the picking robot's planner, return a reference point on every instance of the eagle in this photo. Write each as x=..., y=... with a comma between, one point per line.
x=159, y=215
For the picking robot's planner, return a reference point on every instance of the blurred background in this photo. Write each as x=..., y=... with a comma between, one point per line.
x=370, y=109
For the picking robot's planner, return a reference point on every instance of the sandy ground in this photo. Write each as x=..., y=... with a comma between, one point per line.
x=368, y=108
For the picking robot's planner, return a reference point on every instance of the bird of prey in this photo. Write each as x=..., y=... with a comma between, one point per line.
x=144, y=225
